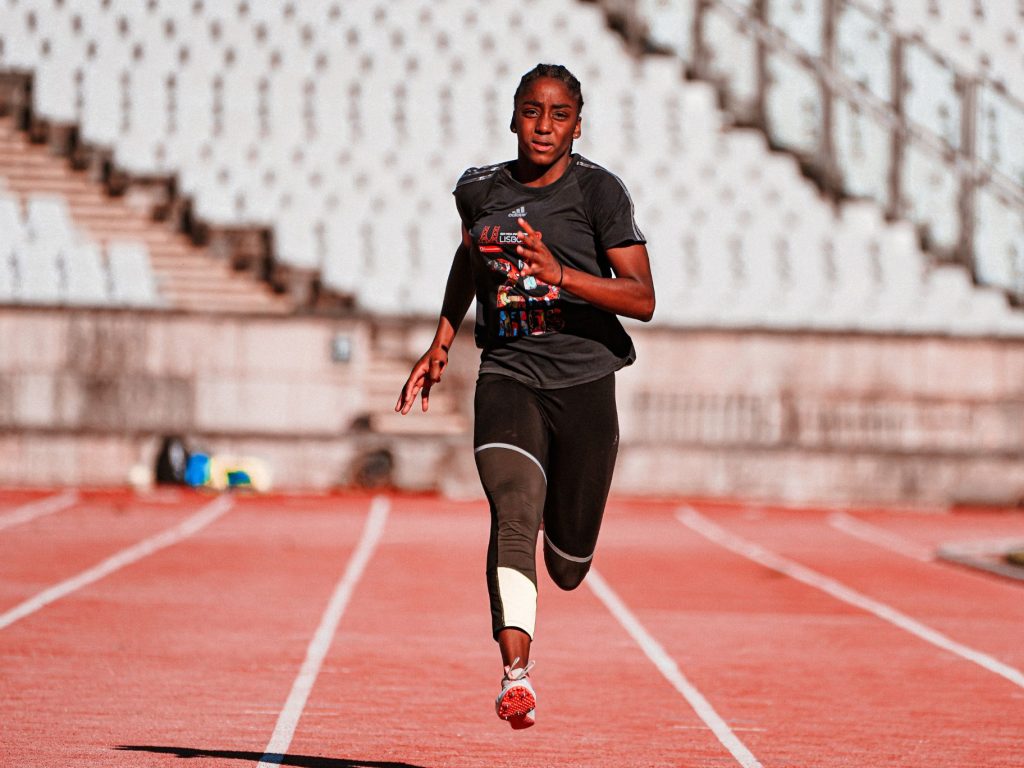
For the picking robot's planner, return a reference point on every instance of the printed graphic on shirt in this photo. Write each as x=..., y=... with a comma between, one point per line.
x=526, y=306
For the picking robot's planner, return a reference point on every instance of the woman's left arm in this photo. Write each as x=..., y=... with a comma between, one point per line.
x=630, y=293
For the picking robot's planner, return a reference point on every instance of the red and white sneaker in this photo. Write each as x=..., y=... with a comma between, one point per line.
x=517, y=701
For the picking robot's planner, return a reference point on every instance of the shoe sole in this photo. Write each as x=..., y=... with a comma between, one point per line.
x=517, y=707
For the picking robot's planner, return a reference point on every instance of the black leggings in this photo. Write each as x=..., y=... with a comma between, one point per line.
x=543, y=456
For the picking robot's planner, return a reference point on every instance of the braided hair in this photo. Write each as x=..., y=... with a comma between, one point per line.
x=555, y=72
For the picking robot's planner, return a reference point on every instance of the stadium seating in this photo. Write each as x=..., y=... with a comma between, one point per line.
x=944, y=45
x=980, y=37
x=44, y=259
x=131, y=277
x=87, y=279
x=343, y=125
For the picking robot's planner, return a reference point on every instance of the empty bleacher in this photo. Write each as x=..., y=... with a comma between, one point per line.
x=341, y=126
x=913, y=105
x=44, y=259
x=982, y=37
x=63, y=240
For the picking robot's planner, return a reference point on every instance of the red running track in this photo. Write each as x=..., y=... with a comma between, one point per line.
x=192, y=650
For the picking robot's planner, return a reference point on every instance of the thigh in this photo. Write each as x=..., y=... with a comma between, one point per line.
x=508, y=420
x=583, y=445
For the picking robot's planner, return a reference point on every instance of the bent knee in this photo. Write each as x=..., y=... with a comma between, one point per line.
x=566, y=570
x=566, y=575
x=569, y=582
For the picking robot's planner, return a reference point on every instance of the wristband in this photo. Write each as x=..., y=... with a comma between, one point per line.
x=561, y=274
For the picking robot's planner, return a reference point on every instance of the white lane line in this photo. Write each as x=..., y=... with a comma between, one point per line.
x=37, y=508
x=288, y=719
x=880, y=537
x=132, y=554
x=670, y=670
x=697, y=522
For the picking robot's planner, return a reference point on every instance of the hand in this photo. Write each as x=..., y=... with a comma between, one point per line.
x=540, y=262
x=425, y=374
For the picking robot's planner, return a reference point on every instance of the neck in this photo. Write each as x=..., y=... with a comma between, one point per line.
x=530, y=175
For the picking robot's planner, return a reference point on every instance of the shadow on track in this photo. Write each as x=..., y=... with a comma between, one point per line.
x=303, y=761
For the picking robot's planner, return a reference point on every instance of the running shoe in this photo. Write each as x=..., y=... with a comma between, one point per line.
x=517, y=700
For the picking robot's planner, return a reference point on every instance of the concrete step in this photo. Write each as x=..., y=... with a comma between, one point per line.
x=189, y=277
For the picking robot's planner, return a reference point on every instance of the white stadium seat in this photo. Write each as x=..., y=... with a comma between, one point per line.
x=343, y=126
x=39, y=274
x=87, y=279
x=48, y=221
x=131, y=275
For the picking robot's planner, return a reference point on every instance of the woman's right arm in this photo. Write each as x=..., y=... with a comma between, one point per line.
x=458, y=294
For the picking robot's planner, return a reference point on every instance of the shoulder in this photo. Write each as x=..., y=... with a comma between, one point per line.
x=472, y=190
x=608, y=204
x=474, y=175
x=598, y=183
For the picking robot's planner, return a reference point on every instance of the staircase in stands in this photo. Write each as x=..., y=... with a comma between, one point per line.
x=189, y=278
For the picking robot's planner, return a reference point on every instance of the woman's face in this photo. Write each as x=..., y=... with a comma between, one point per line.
x=545, y=121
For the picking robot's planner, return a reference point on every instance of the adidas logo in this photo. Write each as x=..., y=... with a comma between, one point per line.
x=518, y=212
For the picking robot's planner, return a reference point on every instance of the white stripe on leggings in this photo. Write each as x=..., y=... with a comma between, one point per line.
x=566, y=555
x=517, y=449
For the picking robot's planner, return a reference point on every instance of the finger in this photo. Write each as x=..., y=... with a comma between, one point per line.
x=425, y=398
x=528, y=256
x=410, y=397
x=526, y=226
x=410, y=388
x=403, y=396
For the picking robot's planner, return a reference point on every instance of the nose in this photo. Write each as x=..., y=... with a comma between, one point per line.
x=543, y=124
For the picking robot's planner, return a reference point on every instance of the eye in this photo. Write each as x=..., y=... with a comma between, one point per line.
x=561, y=115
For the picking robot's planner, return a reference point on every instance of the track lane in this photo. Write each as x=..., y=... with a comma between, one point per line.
x=191, y=654
x=30, y=510
x=195, y=646
x=47, y=550
x=15, y=497
x=803, y=678
x=124, y=558
x=934, y=530
x=412, y=675
x=276, y=750
x=983, y=611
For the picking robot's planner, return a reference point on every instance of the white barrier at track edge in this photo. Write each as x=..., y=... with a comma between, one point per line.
x=880, y=537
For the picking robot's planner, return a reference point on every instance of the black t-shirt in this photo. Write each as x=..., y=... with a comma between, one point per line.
x=528, y=330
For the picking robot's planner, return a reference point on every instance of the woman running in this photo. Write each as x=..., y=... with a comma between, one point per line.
x=552, y=254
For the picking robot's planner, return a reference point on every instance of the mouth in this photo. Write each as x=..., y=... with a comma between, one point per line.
x=541, y=146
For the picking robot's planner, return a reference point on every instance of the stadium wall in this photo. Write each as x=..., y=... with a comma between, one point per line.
x=826, y=416
x=85, y=395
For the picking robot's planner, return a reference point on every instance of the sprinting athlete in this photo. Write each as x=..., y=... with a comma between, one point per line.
x=552, y=254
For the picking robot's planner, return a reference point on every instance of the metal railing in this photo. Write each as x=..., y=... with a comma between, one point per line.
x=869, y=111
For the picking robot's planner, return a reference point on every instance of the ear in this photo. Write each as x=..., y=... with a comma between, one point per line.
x=512, y=124
x=577, y=132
